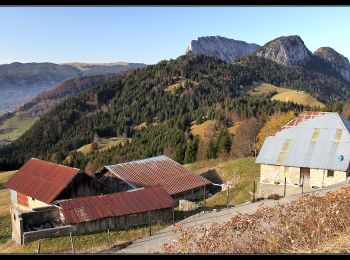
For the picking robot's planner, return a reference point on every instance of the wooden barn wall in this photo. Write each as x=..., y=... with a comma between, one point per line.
x=157, y=217
x=81, y=186
x=111, y=183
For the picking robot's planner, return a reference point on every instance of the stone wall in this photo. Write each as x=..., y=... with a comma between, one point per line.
x=17, y=224
x=273, y=174
x=318, y=177
x=276, y=174
x=47, y=233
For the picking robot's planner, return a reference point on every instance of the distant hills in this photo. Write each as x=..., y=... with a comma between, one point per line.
x=20, y=82
x=104, y=68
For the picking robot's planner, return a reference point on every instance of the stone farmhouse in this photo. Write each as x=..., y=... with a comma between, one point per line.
x=311, y=151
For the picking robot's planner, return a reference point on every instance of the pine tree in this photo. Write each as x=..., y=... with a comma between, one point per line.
x=212, y=150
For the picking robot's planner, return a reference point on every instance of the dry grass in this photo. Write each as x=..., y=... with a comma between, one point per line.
x=4, y=193
x=286, y=95
x=265, y=88
x=5, y=222
x=204, y=130
x=233, y=129
x=178, y=85
x=91, y=243
x=241, y=173
x=104, y=144
x=309, y=223
x=340, y=244
x=298, y=97
x=172, y=88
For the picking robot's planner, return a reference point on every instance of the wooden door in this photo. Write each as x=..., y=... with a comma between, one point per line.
x=304, y=175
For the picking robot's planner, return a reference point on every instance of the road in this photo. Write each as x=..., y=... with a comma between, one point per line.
x=154, y=243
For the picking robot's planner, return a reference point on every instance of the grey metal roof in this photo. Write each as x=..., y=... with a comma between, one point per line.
x=315, y=142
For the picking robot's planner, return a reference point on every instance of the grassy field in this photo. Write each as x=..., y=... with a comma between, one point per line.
x=179, y=84
x=92, y=243
x=286, y=94
x=172, y=88
x=240, y=172
x=104, y=144
x=5, y=221
x=265, y=88
x=16, y=126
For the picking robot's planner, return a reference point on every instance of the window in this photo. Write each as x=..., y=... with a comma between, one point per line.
x=330, y=173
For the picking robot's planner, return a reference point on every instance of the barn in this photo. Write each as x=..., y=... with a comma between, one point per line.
x=35, y=188
x=38, y=183
x=118, y=210
x=312, y=150
x=178, y=181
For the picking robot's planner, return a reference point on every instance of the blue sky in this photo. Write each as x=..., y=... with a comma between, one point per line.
x=151, y=34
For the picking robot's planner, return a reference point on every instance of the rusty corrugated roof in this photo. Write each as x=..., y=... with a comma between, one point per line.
x=41, y=180
x=161, y=170
x=116, y=204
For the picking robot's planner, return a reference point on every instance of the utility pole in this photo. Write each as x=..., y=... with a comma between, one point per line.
x=285, y=183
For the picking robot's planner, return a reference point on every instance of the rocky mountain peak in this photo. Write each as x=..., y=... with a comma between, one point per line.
x=285, y=50
x=338, y=61
x=221, y=47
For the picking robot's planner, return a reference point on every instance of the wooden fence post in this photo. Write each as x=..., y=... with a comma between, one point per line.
x=285, y=183
x=227, y=195
x=109, y=239
x=254, y=191
x=38, y=250
x=149, y=223
x=71, y=242
x=205, y=204
x=302, y=185
x=173, y=216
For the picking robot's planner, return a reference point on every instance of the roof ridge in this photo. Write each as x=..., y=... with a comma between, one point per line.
x=154, y=158
x=33, y=158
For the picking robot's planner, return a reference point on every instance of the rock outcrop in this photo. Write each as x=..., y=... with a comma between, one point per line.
x=339, y=62
x=285, y=50
x=221, y=47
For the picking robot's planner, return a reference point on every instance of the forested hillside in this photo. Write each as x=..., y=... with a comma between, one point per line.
x=210, y=88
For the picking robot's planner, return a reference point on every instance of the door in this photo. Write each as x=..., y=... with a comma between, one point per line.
x=304, y=175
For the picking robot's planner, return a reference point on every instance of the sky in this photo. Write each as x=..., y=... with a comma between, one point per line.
x=152, y=34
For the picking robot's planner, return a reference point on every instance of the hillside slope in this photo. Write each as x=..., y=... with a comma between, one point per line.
x=115, y=107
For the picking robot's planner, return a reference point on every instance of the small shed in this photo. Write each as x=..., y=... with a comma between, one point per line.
x=117, y=210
